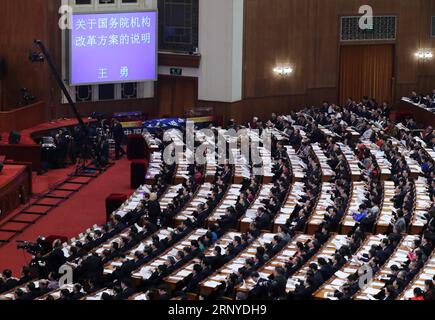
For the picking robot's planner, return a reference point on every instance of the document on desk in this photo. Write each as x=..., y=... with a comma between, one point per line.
x=212, y=284
x=371, y=291
x=183, y=273
x=341, y=275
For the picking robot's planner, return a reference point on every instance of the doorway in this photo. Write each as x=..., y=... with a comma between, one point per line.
x=177, y=95
x=366, y=70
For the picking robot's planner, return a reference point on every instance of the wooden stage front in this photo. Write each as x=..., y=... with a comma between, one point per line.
x=15, y=187
x=28, y=151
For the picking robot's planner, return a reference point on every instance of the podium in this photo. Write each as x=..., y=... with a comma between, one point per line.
x=138, y=171
x=114, y=202
x=136, y=147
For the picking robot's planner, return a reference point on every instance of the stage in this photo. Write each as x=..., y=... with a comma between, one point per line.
x=28, y=151
x=15, y=187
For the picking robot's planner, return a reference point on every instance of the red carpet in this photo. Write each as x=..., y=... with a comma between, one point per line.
x=78, y=213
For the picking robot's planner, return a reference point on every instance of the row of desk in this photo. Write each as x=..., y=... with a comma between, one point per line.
x=398, y=257
x=352, y=266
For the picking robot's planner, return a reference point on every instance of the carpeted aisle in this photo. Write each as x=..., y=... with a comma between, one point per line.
x=74, y=216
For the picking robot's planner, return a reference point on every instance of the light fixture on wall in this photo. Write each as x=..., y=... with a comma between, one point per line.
x=424, y=54
x=283, y=70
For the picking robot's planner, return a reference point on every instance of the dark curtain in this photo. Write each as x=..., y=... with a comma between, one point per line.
x=366, y=70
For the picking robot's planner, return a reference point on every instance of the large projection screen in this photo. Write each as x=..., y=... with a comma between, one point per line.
x=113, y=47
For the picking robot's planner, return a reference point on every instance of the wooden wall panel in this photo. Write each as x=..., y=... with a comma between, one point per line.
x=306, y=33
x=22, y=21
x=302, y=32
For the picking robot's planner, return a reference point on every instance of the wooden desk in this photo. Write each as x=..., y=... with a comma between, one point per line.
x=398, y=257
x=297, y=190
x=279, y=260
x=15, y=187
x=326, y=291
x=200, y=198
x=210, y=284
x=251, y=213
x=387, y=207
x=326, y=251
x=146, y=271
x=180, y=275
x=22, y=118
x=319, y=211
x=229, y=200
x=426, y=273
x=422, y=204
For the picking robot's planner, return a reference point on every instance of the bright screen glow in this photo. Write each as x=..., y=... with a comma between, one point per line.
x=113, y=47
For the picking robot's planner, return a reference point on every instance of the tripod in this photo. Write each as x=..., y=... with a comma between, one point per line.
x=89, y=149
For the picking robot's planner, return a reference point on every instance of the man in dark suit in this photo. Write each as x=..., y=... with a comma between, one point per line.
x=32, y=292
x=262, y=221
x=126, y=290
x=118, y=136
x=9, y=281
x=259, y=291
x=154, y=210
x=278, y=283
x=194, y=280
x=92, y=268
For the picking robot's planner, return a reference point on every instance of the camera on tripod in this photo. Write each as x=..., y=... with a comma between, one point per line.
x=41, y=246
x=30, y=247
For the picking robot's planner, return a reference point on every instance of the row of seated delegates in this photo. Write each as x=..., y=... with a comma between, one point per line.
x=423, y=285
x=298, y=165
x=269, y=281
x=270, y=196
x=303, y=195
x=97, y=244
x=296, y=208
x=374, y=160
x=356, y=170
x=186, y=279
x=427, y=100
x=89, y=268
x=366, y=195
x=413, y=165
x=371, y=255
x=369, y=109
x=173, y=200
x=341, y=284
x=392, y=277
x=117, y=268
x=242, y=168
x=231, y=206
x=263, y=165
x=207, y=140
x=423, y=204
x=224, y=282
x=331, y=206
x=152, y=140
x=202, y=204
x=227, y=250
x=320, y=267
x=424, y=156
x=363, y=209
x=428, y=136
x=83, y=250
